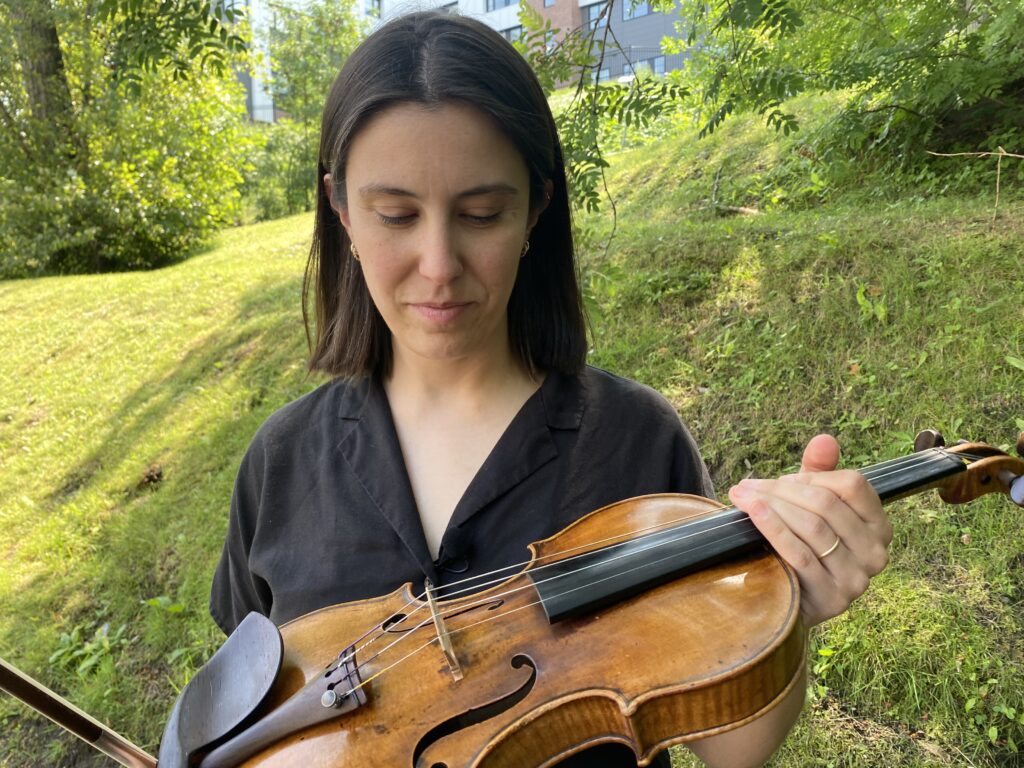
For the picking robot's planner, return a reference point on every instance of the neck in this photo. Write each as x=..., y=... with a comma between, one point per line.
x=585, y=583
x=469, y=380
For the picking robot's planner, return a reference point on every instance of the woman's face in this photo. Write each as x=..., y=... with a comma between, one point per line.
x=438, y=207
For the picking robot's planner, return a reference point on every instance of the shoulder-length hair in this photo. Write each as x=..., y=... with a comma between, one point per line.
x=434, y=58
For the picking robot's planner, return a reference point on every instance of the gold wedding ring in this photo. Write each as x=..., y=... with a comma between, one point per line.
x=830, y=550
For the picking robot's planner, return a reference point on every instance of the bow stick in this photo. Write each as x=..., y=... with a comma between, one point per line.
x=71, y=718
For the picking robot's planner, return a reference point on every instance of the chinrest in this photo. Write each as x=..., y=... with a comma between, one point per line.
x=219, y=700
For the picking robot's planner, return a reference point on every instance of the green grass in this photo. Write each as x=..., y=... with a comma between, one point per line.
x=126, y=402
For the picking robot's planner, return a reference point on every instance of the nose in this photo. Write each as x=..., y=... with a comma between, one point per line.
x=440, y=261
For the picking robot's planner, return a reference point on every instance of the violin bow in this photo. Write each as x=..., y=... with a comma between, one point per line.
x=71, y=718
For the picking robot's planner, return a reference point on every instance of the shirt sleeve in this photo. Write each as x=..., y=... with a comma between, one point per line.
x=688, y=472
x=236, y=590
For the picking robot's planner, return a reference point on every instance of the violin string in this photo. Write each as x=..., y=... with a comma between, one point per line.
x=505, y=614
x=876, y=472
x=421, y=605
x=873, y=473
x=533, y=582
x=631, y=535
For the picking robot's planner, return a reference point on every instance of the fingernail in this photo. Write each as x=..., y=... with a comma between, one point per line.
x=742, y=491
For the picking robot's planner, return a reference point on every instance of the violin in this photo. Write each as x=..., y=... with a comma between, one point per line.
x=603, y=636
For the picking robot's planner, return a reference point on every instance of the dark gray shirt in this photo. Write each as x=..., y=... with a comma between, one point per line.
x=323, y=511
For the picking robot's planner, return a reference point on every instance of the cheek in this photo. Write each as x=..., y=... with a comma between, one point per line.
x=503, y=269
x=382, y=274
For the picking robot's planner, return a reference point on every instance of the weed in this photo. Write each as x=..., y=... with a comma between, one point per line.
x=83, y=653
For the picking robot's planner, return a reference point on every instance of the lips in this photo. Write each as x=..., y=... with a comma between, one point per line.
x=441, y=312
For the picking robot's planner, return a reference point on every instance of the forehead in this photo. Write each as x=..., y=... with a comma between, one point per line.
x=419, y=147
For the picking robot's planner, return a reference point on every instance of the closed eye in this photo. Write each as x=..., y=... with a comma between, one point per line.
x=481, y=220
x=395, y=221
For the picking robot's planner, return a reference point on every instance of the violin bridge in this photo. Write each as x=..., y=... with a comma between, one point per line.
x=442, y=633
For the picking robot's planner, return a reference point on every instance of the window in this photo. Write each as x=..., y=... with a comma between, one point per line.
x=604, y=75
x=591, y=15
x=634, y=10
x=548, y=3
x=656, y=64
x=512, y=34
x=493, y=5
x=373, y=8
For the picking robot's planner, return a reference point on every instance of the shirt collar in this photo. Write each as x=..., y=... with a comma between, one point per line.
x=562, y=398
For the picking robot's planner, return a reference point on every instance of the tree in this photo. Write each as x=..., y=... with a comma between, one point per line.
x=596, y=110
x=918, y=71
x=308, y=45
x=107, y=132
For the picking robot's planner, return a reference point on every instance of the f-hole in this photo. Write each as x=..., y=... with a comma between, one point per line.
x=479, y=714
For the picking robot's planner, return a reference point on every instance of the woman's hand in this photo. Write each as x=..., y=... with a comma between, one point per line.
x=828, y=525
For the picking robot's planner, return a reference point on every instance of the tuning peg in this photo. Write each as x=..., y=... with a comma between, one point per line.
x=928, y=438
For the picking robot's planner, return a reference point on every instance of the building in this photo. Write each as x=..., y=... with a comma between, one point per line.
x=259, y=104
x=638, y=30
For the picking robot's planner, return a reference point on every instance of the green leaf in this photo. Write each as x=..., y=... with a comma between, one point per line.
x=1016, y=362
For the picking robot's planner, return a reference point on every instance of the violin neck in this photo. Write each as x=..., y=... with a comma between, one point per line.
x=585, y=583
x=907, y=475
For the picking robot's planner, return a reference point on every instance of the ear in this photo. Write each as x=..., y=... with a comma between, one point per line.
x=342, y=212
x=537, y=210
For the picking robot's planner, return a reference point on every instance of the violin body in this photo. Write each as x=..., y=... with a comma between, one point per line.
x=713, y=650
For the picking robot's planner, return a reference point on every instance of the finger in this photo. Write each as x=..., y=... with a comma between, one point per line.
x=820, y=455
x=830, y=580
x=850, y=486
x=780, y=535
x=817, y=514
x=821, y=595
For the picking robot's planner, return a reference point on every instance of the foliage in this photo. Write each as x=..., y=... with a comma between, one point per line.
x=918, y=72
x=174, y=34
x=596, y=111
x=82, y=654
x=109, y=177
x=308, y=45
x=280, y=181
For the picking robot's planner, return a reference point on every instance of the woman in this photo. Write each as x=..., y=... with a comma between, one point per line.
x=462, y=423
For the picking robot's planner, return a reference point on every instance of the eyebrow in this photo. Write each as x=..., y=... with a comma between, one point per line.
x=481, y=189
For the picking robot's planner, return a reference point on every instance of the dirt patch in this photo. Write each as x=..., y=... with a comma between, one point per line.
x=876, y=730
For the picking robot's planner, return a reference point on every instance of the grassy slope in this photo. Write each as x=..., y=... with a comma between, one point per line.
x=127, y=400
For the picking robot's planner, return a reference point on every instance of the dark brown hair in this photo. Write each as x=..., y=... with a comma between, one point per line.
x=433, y=58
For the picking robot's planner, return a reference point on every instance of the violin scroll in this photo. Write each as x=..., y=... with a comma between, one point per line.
x=988, y=469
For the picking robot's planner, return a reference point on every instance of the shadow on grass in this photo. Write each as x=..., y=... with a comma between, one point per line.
x=163, y=537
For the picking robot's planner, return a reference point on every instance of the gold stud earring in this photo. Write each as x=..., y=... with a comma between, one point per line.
x=352, y=249
x=526, y=247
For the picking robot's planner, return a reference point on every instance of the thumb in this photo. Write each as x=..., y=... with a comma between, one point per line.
x=820, y=455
